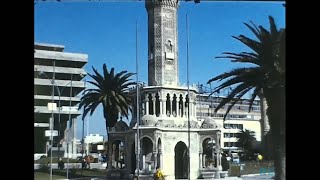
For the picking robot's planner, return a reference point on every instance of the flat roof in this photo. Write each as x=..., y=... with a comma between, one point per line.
x=49, y=47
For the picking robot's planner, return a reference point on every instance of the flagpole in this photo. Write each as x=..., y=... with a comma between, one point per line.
x=137, y=98
x=187, y=29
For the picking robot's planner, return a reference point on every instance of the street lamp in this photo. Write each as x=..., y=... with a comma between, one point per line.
x=187, y=43
x=59, y=92
x=59, y=114
x=82, y=141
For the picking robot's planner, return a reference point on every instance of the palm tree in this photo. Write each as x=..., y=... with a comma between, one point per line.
x=111, y=90
x=266, y=76
x=245, y=138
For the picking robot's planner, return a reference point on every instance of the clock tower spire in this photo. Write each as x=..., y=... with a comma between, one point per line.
x=162, y=42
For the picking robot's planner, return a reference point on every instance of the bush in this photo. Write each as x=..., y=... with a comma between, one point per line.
x=43, y=165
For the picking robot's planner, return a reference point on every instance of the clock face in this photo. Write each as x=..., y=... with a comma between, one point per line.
x=168, y=15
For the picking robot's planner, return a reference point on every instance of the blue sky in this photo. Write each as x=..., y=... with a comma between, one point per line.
x=106, y=32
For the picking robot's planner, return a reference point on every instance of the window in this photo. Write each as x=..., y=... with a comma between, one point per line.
x=233, y=126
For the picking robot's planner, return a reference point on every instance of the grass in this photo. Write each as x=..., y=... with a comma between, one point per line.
x=73, y=173
x=43, y=175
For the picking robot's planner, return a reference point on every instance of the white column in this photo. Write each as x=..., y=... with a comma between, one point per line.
x=144, y=162
x=147, y=104
x=218, y=151
x=177, y=107
x=204, y=160
x=143, y=106
x=155, y=155
x=154, y=104
x=164, y=104
x=195, y=109
x=201, y=163
x=191, y=108
x=183, y=107
x=161, y=102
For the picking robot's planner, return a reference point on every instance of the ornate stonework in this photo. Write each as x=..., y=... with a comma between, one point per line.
x=163, y=46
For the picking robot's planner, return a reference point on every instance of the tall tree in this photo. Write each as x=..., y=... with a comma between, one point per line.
x=111, y=90
x=266, y=76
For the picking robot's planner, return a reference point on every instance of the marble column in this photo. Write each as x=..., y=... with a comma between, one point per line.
x=190, y=108
x=154, y=104
x=201, y=163
x=184, y=109
x=164, y=104
x=147, y=104
x=155, y=155
x=178, y=108
x=218, y=147
x=144, y=162
x=161, y=103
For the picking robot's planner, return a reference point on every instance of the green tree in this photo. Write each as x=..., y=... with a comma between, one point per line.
x=111, y=90
x=245, y=138
x=266, y=76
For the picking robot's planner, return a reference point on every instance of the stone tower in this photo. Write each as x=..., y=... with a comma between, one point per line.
x=162, y=43
x=167, y=112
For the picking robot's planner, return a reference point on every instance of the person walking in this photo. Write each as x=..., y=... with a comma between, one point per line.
x=60, y=164
x=87, y=158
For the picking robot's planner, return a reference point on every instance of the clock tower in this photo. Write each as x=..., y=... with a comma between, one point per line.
x=162, y=42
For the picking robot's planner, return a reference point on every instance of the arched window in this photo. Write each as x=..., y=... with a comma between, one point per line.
x=168, y=105
x=150, y=104
x=157, y=105
x=174, y=105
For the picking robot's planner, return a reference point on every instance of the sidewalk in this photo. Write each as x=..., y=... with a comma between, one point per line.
x=71, y=165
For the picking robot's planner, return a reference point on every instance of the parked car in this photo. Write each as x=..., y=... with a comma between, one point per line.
x=235, y=158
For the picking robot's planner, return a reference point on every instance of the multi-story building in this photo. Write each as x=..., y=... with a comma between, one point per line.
x=57, y=79
x=239, y=118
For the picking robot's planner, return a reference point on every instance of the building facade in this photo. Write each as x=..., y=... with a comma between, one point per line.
x=57, y=79
x=239, y=118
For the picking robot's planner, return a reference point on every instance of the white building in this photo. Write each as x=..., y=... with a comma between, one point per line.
x=59, y=72
x=93, y=138
x=237, y=119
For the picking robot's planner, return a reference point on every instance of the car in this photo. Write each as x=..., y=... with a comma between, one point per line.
x=235, y=158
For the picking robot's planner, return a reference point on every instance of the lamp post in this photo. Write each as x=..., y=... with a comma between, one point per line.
x=68, y=131
x=59, y=92
x=138, y=115
x=59, y=114
x=188, y=114
x=82, y=141
x=52, y=119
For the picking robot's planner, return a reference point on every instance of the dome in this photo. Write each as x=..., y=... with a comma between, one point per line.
x=210, y=123
x=149, y=120
x=121, y=126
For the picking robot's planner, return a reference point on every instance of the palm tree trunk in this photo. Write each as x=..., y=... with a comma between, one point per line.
x=264, y=118
x=264, y=123
x=276, y=114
